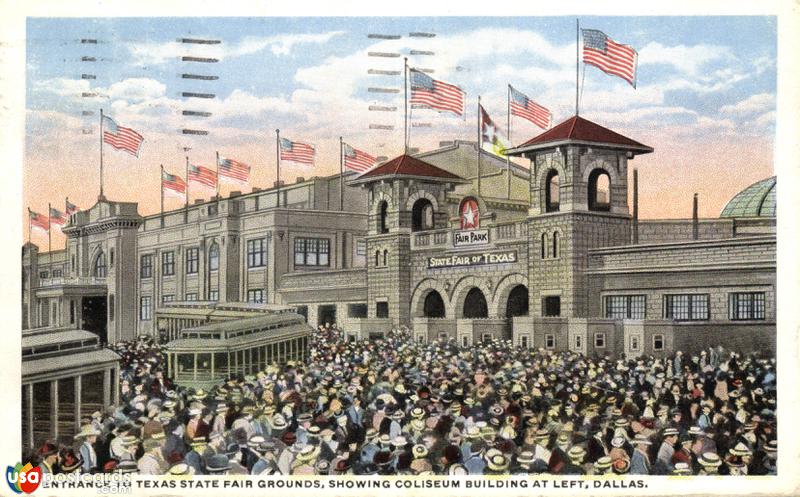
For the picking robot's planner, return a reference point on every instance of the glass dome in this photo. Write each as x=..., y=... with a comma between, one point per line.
x=757, y=200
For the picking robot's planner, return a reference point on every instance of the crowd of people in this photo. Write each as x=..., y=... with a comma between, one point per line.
x=393, y=406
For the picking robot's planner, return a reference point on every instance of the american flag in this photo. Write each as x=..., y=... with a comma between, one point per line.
x=71, y=208
x=300, y=153
x=57, y=217
x=526, y=108
x=434, y=94
x=233, y=170
x=609, y=56
x=173, y=184
x=356, y=160
x=203, y=175
x=120, y=137
x=39, y=221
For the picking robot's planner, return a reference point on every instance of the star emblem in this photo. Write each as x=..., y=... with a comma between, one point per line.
x=469, y=217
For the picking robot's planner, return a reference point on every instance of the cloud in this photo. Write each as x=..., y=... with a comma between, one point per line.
x=687, y=59
x=760, y=102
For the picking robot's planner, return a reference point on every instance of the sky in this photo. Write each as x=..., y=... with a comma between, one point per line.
x=705, y=97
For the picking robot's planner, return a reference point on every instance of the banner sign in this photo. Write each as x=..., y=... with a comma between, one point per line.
x=469, y=238
x=466, y=260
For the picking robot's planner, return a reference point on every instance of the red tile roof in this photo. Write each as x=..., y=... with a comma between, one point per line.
x=406, y=165
x=579, y=129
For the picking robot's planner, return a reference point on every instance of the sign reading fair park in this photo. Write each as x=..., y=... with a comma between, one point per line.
x=462, y=260
x=474, y=237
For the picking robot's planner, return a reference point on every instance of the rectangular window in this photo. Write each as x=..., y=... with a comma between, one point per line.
x=255, y=296
x=213, y=295
x=748, y=305
x=167, y=298
x=168, y=263
x=57, y=273
x=523, y=341
x=578, y=342
x=146, y=266
x=634, y=342
x=549, y=341
x=361, y=247
x=420, y=338
x=486, y=337
x=356, y=310
x=312, y=251
x=382, y=309
x=658, y=342
x=687, y=307
x=625, y=306
x=192, y=260
x=146, y=308
x=464, y=341
x=599, y=340
x=551, y=306
x=255, y=252
x=191, y=297
x=43, y=275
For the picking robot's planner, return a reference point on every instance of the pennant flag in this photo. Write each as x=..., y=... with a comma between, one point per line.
x=120, y=137
x=491, y=139
x=356, y=160
x=57, y=217
x=71, y=208
x=39, y=221
x=173, y=185
x=522, y=106
x=609, y=56
x=238, y=172
x=433, y=94
x=203, y=175
x=300, y=153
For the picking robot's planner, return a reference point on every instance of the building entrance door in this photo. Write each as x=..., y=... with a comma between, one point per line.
x=95, y=317
x=326, y=314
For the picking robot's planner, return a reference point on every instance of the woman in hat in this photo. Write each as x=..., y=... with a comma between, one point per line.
x=70, y=462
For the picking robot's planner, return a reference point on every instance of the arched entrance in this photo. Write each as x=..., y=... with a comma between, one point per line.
x=517, y=302
x=434, y=305
x=475, y=304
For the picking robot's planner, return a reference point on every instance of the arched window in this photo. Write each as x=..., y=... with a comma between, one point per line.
x=100, y=269
x=475, y=304
x=434, y=305
x=383, y=227
x=377, y=258
x=517, y=304
x=599, y=191
x=385, y=257
x=422, y=215
x=213, y=257
x=551, y=194
x=544, y=245
x=555, y=244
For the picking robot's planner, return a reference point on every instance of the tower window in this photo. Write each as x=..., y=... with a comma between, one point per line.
x=555, y=244
x=382, y=225
x=544, y=245
x=599, y=191
x=100, y=265
x=385, y=257
x=551, y=193
x=422, y=215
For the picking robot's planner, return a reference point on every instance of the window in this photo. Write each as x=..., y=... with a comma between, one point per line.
x=625, y=306
x=311, y=252
x=551, y=306
x=486, y=337
x=72, y=263
x=551, y=193
x=111, y=257
x=191, y=297
x=377, y=258
x=750, y=305
x=356, y=310
x=600, y=340
x=420, y=338
x=213, y=209
x=692, y=307
x=57, y=273
x=599, y=191
x=43, y=275
x=255, y=296
x=213, y=257
x=167, y=298
x=544, y=245
x=555, y=244
x=168, y=263
x=255, y=252
x=383, y=227
x=465, y=341
x=385, y=258
x=192, y=260
x=146, y=266
x=361, y=248
x=422, y=215
x=100, y=265
x=213, y=295
x=72, y=312
x=382, y=309
x=146, y=308
x=549, y=341
x=523, y=341
x=658, y=342
x=110, y=307
x=634, y=342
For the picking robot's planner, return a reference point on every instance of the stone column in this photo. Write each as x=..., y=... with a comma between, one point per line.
x=106, y=387
x=77, y=403
x=29, y=399
x=115, y=384
x=54, y=407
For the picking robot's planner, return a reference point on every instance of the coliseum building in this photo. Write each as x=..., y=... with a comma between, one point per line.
x=552, y=256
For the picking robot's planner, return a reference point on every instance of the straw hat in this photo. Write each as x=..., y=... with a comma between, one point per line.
x=497, y=462
x=419, y=451
x=87, y=431
x=682, y=468
x=709, y=459
x=181, y=469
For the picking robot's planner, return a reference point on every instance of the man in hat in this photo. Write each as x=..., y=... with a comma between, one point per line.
x=152, y=462
x=709, y=464
x=663, y=464
x=48, y=453
x=267, y=463
x=195, y=457
x=88, y=436
x=217, y=465
x=640, y=460
x=576, y=455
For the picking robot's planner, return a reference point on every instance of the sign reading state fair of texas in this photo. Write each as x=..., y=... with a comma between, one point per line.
x=504, y=257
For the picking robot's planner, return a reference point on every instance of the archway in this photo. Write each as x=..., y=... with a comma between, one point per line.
x=434, y=305
x=383, y=209
x=517, y=304
x=552, y=191
x=422, y=215
x=475, y=304
x=599, y=190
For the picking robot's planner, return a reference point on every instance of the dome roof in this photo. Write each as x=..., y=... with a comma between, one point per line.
x=757, y=200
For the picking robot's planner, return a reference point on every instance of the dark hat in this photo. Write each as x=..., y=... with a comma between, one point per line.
x=70, y=461
x=382, y=458
x=218, y=463
x=452, y=454
x=48, y=449
x=110, y=466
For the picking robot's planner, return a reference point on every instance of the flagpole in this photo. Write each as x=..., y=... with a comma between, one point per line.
x=278, y=167
x=161, y=184
x=29, y=225
x=405, y=105
x=101, y=154
x=217, y=195
x=510, y=143
x=49, y=247
x=341, y=175
x=480, y=139
x=577, y=61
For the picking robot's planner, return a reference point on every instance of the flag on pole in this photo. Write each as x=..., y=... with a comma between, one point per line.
x=120, y=137
x=57, y=217
x=39, y=221
x=236, y=171
x=609, y=56
x=491, y=139
x=357, y=160
x=522, y=106
x=437, y=95
x=203, y=175
x=300, y=153
x=173, y=184
x=71, y=208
